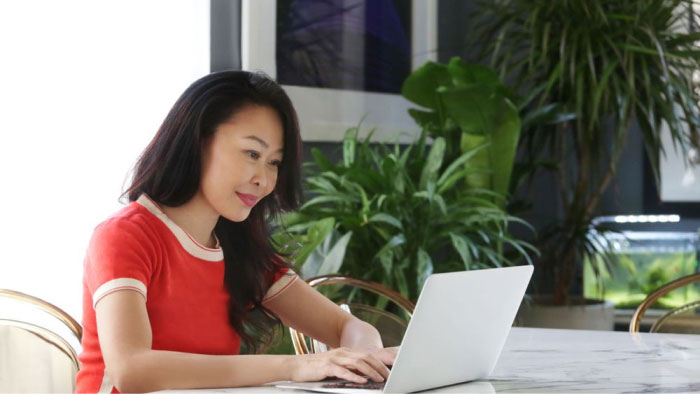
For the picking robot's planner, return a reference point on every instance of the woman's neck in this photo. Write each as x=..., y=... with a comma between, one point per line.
x=197, y=218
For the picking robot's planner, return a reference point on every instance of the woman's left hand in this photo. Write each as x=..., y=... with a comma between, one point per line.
x=386, y=355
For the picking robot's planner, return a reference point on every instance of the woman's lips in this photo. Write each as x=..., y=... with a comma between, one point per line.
x=248, y=199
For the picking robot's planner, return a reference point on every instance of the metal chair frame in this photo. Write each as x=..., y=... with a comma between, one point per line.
x=673, y=312
x=47, y=336
x=47, y=307
x=658, y=293
x=298, y=340
x=39, y=337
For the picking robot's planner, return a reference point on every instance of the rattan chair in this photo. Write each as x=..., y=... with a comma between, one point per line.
x=387, y=310
x=38, y=345
x=683, y=320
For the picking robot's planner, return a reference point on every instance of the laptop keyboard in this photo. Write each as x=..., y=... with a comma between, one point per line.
x=350, y=385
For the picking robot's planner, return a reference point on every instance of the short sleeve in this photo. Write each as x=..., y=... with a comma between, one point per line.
x=118, y=258
x=282, y=278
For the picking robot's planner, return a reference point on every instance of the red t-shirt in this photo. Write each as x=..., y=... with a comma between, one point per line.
x=141, y=249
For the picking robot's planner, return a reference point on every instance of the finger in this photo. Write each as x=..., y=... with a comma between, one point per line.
x=344, y=373
x=364, y=367
x=388, y=355
x=377, y=364
x=371, y=357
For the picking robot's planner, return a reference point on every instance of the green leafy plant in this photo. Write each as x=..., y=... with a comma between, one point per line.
x=468, y=106
x=611, y=63
x=395, y=215
x=655, y=278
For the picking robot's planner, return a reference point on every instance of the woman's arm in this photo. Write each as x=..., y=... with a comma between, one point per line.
x=307, y=310
x=125, y=338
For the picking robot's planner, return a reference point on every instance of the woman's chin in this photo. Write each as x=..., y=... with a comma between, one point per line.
x=238, y=215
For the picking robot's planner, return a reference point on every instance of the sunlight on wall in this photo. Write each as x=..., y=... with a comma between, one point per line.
x=84, y=86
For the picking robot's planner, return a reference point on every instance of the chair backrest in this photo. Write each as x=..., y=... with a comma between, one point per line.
x=39, y=344
x=388, y=311
x=683, y=319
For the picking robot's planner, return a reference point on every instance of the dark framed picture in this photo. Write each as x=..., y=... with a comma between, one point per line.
x=342, y=61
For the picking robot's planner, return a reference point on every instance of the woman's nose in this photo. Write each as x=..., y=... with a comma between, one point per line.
x=260, y=177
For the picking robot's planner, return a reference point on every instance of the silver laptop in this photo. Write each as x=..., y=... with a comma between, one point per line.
x=456, y=334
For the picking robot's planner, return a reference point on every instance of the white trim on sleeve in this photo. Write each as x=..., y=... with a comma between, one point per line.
x=281, y=285
x=106, y=386
x=118, y=284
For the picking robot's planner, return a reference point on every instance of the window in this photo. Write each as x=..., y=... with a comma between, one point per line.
x=84, y=86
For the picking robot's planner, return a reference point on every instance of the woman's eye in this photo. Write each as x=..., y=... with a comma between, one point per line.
x=276, y=163
x=253, y=154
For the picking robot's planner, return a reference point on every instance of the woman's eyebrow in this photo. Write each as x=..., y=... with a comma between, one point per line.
x=260, y=141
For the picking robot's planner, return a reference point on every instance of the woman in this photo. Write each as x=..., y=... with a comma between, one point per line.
x=179, y=278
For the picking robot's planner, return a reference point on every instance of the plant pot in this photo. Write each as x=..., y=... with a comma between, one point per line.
x=584, y=315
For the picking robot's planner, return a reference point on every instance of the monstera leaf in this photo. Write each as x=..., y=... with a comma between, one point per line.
x=485, y=115
x=468, y=106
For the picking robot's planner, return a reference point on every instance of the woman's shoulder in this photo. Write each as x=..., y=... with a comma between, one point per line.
x=133, y=220
x=124, y=245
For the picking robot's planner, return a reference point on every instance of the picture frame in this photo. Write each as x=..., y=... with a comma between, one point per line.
x=326, y=113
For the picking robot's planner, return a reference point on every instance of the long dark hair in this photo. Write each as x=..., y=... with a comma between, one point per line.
x=169, y=171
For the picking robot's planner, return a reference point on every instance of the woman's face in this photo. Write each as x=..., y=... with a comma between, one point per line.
x=241, y=160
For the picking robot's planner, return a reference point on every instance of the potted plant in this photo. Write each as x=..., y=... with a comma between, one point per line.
x=611, y=63
x=394, y=215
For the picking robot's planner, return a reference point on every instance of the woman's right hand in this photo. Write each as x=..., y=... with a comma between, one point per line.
x=343, y=363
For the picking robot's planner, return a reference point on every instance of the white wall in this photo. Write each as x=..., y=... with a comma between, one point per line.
x=84, y=86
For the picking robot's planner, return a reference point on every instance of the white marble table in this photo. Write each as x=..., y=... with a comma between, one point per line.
x=536, y=360
x=547, y=361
